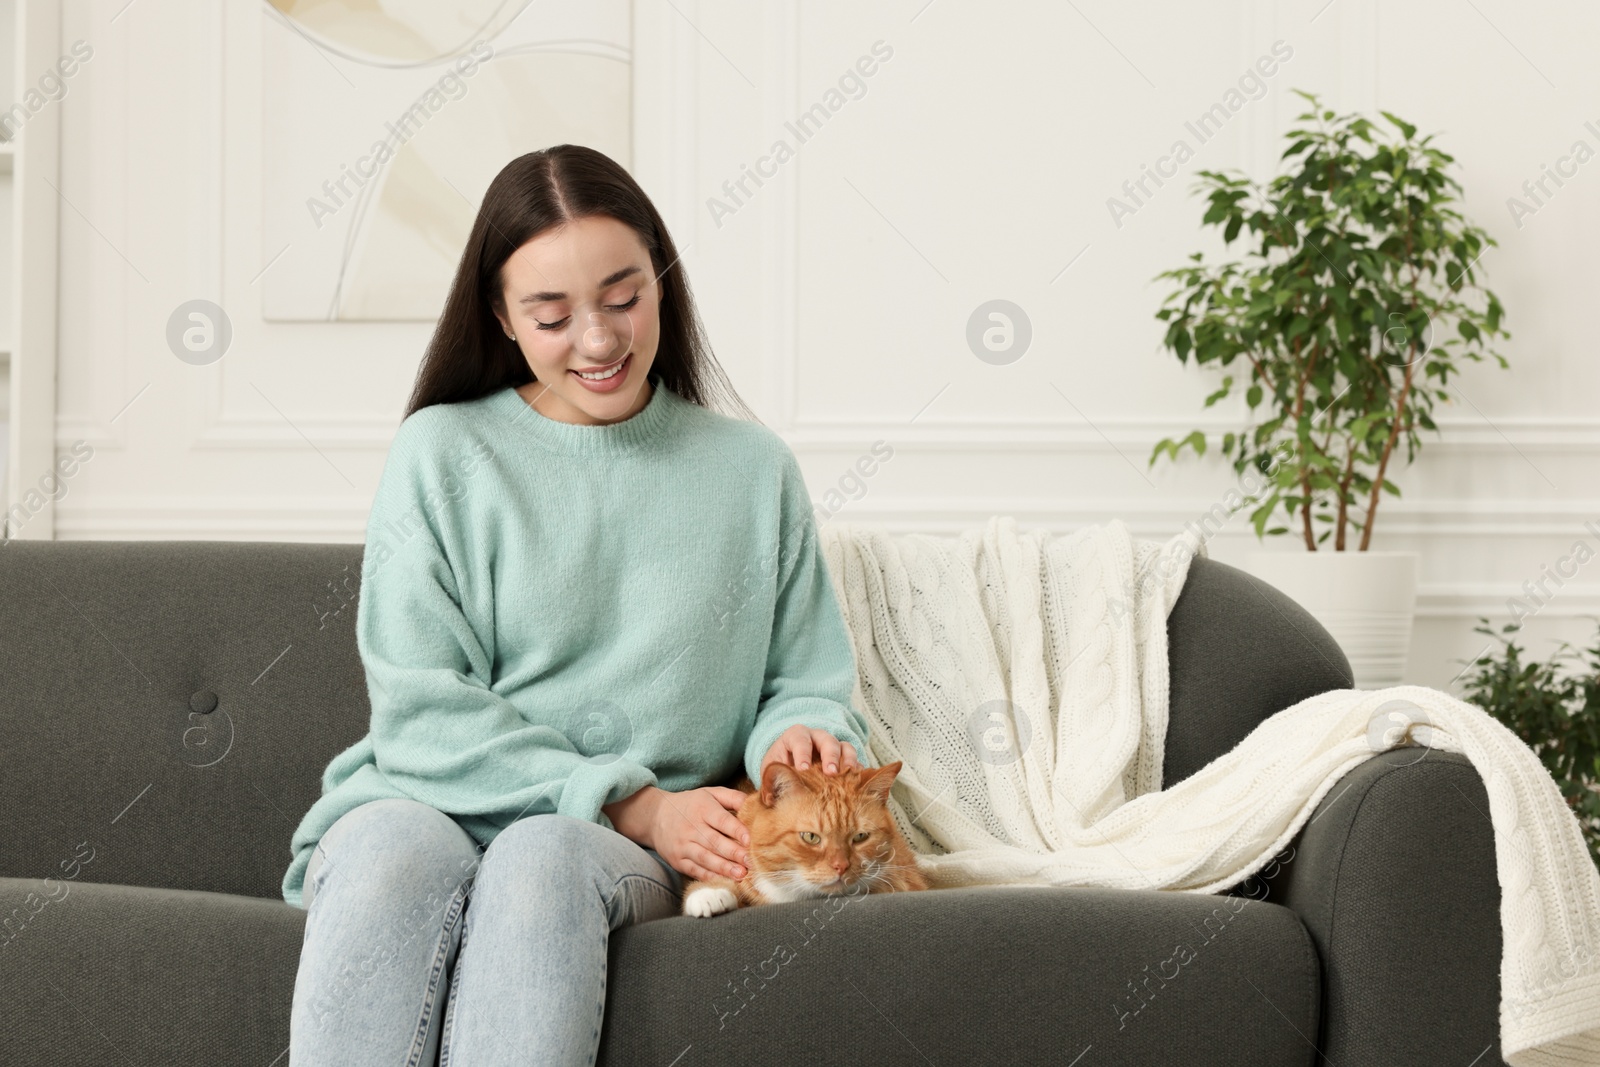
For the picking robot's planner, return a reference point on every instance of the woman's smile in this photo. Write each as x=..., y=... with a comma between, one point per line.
x=611, y=377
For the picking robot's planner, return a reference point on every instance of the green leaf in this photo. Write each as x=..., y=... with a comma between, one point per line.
x=1227, y=384
x=1252, y=395
x=1405, y=127
x=1553, y=706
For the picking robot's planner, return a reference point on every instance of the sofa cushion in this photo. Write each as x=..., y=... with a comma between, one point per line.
x=129, y=976
x=991, y=975
x=173, y=704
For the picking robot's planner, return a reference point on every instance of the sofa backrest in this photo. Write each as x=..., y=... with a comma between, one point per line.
x=169, y=707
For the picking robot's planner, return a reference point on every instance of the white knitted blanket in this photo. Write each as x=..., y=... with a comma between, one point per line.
x=1022, y=679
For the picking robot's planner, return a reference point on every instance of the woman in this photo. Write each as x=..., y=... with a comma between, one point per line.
x=585, y=597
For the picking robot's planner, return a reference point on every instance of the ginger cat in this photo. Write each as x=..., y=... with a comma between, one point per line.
x=813, y=835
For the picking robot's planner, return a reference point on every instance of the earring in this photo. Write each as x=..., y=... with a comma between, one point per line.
x=512, y=336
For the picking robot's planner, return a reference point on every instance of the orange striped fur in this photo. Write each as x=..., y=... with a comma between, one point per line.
x=813, y=835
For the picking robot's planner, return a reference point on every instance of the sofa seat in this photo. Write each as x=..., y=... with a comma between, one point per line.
x=976, y=975
x=127, y=974
x=119, y=975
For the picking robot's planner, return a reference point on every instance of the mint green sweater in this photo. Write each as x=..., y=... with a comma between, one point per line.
x=553, y=616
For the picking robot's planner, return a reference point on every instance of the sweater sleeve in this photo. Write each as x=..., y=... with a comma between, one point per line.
x=811, y=669
x=438, y=732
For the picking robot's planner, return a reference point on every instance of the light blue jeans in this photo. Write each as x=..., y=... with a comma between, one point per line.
x=422, y=947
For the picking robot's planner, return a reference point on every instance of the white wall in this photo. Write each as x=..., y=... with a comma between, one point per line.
x=976, y=166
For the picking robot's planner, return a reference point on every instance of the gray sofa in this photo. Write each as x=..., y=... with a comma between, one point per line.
x=169, y=708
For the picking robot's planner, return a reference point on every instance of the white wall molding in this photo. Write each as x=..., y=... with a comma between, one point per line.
x=366, y=431
x=1046, y=437
x=1560, y=521
x=321, y=520
x=1456, y=434
x=1469, y=600
x=208, y=517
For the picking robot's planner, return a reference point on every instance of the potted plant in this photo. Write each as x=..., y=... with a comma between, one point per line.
x=1342, y=327
x=1555, y=707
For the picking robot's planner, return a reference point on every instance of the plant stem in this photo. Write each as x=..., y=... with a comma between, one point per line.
x=1388, y=447
x=1399, y=408
x=1344, y=483
x=1344, y=497
x=1305, y=474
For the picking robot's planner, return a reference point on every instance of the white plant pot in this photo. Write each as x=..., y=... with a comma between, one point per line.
x=1366, y=600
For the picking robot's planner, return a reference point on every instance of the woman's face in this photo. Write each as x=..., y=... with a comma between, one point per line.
x=582, y=297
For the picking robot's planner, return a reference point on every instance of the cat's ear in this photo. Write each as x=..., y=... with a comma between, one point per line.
x=778, y=781
x=875, y=781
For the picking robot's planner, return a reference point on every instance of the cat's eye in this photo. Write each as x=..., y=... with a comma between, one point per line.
x=810, y=837
x=862, y=836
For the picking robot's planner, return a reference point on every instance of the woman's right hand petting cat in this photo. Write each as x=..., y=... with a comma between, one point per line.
x=813, y=835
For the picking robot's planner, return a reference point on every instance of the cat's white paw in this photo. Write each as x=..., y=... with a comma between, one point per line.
x=709, y=900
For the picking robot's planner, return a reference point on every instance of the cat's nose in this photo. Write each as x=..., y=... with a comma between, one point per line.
x=841, y=865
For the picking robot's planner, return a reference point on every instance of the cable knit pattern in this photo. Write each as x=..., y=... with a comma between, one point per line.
x=1062, y=785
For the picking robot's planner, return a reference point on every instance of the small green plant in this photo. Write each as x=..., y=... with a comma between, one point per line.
x=1555, y=707
x=1346, y=317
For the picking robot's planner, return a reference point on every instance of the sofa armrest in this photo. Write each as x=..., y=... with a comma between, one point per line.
x=1394, y=877
x=1238, y=652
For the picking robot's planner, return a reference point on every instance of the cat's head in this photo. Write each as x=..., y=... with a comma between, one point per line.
x=814, y=834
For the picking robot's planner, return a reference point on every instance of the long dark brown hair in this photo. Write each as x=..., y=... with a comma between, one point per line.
x=470, y=356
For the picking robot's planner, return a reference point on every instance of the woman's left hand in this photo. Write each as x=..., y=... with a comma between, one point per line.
x=801, y=746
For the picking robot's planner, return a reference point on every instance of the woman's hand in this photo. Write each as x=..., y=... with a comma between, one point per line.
x=800, y=746
x=695, y=831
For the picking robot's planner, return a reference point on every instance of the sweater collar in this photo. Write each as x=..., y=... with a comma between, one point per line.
x=638, y=432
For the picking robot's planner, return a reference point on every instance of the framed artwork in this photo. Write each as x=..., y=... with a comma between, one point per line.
x=385, y=121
